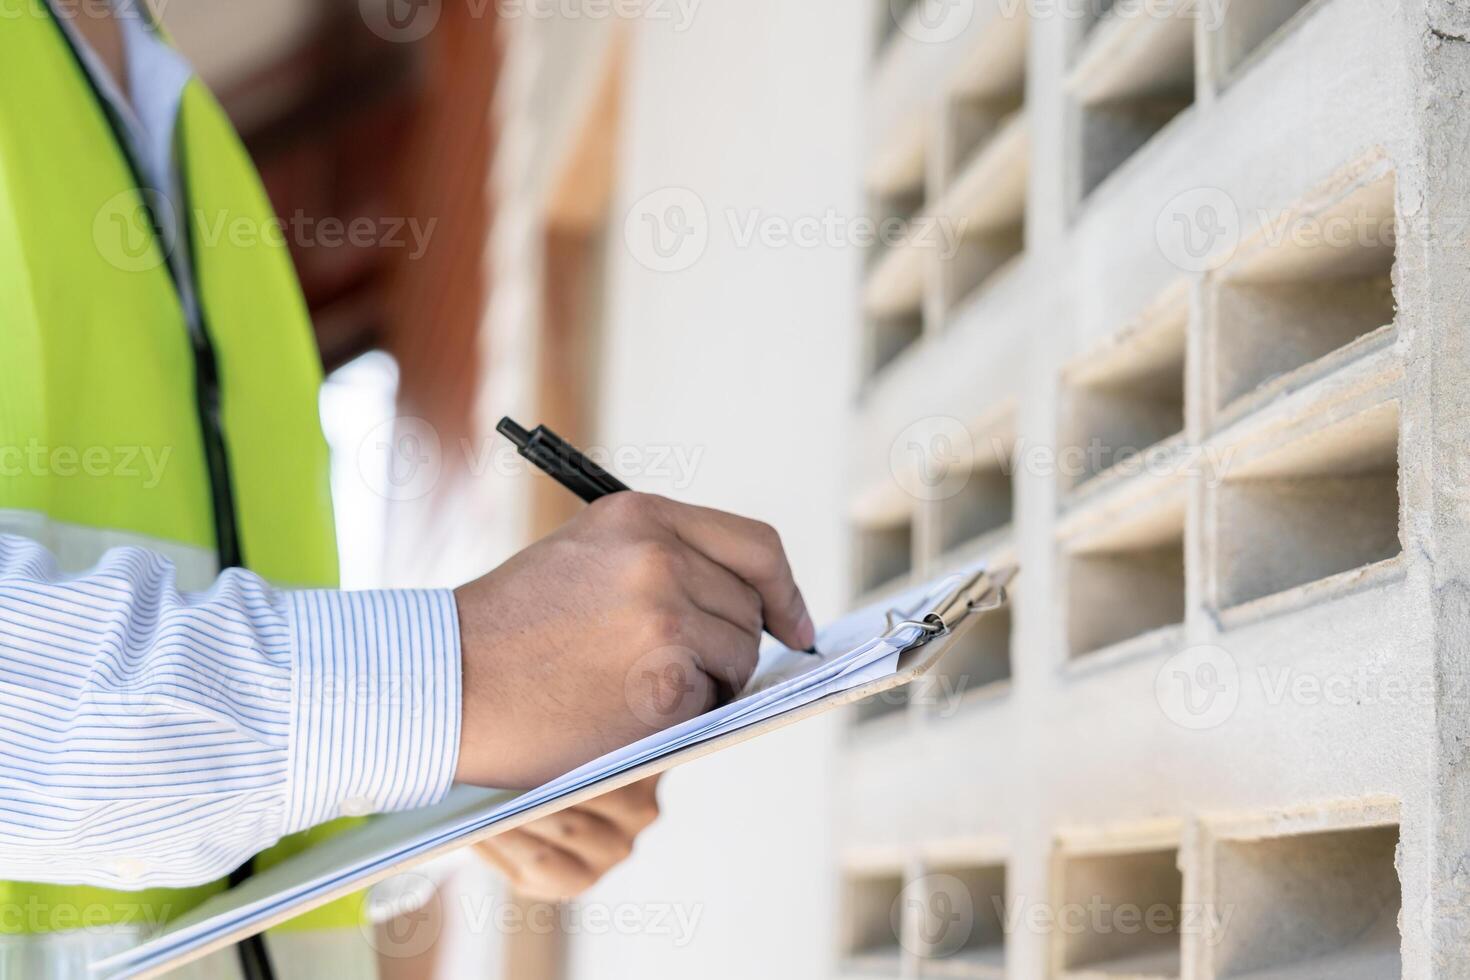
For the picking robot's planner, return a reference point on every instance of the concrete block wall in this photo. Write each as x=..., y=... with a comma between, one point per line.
x=1187, y=357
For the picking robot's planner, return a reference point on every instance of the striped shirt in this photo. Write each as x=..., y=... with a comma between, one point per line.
x=155, y=737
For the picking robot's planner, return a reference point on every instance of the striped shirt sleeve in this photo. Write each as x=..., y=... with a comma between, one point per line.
x=159, y=738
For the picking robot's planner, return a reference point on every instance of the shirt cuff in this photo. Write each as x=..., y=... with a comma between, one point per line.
x=375, y=702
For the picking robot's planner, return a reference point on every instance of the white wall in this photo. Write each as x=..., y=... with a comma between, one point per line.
x=747, y=359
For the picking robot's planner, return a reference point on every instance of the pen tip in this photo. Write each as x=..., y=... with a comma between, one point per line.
x=812, y=650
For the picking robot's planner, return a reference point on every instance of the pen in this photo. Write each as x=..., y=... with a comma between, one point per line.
x=560, y=460
x=565, y=463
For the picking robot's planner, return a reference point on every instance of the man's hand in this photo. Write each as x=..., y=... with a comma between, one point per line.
x=558, y=857
x=639, y=614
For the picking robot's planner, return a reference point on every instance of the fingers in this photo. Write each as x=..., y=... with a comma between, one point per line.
x=700, y=662
x=727, y=654
x=537, y=868
x=593, y=840
x=631, y=808
x=720, y=592
x=490, y=851
x=752, y=551
x=560, y=856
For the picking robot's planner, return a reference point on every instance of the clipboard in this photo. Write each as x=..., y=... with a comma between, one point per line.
x=932, y=637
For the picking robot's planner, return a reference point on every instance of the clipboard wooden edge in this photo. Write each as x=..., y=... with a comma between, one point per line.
x=983, y=593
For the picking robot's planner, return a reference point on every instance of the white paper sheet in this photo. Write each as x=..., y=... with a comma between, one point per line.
x=855, y=652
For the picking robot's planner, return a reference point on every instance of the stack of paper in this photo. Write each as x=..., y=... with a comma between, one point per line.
x=857, y=651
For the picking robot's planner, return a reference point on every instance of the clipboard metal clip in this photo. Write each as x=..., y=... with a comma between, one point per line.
x=983, y=592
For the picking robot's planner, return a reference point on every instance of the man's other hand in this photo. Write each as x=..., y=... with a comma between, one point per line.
x=639, y=614
x=557, y=858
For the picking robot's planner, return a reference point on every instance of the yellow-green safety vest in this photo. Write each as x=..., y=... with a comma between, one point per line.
x=97, y=355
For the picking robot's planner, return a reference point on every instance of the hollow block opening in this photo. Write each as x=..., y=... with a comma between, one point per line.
x=961, y=927
x=979, y=657
x=893, y=211
x=990, y=90
x=894, y=277
x=1129, y=582
x=985, y=164
x=974, y=120
x=885, y=554
x=1310, y=905
x=1122, y=401
x=872, y=922
x=1325, y=505
x=985, y=504
x=1130, y=909
x=1131, y=85
x=1114, y=130
x=890, y=336
x=1246, y=25
x=1324, y=285
x=978, y=255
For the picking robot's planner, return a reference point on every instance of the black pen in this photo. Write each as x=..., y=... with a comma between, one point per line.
x=565, y=463
x=560, y=460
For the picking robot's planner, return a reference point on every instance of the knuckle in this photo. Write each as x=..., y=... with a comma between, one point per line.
x=771, y=555
x=655, y=563
x=767, y=536
x=628, y=508
x=667, y=627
